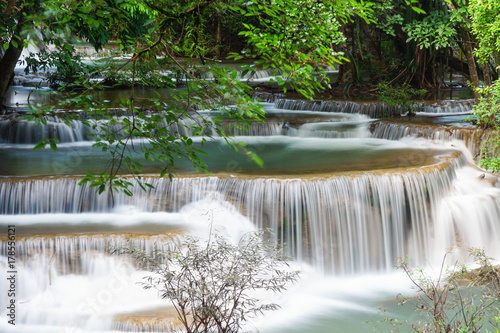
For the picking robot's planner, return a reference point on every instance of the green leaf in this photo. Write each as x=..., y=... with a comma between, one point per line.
x=418, y=10
x=53, y=146
x=40, y=145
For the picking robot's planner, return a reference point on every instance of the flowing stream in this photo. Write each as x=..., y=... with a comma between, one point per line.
x=346, y=201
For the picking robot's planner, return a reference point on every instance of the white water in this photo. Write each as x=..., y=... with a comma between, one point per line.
x=55, y=296
x=14, y=130
x=346, y=232
x=53, y=299
x=373, y=109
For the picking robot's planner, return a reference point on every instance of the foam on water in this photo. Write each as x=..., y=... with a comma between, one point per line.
x=103, y=286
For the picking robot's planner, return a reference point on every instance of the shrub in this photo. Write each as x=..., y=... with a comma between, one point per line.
x=486, y=113
x=210, y=284
x=401, y=98
x=458, y=300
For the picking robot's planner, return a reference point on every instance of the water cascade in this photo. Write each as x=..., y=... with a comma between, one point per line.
x=371, y=109
x=443, y=133
x=353, y=223
x=21, y=131
x=467, y=134
x=346, y=204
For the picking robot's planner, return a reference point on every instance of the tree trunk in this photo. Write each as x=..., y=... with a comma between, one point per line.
x=469, y=54
x=218, y=37
x=347, y=69
x=10, y=58
x=373, y=48
x=454, y=63
x=486, y=74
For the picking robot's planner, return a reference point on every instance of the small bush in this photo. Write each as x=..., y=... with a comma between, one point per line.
x=401, y=98
x=210, y=284
x=487, y=112
x=458, y=300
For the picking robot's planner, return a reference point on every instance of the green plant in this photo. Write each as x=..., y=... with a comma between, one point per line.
x=458, y=299
x=210, y=284
x=400, y=98
x=491, y=163
x=436, y=31
x=487, y=112
x=63, y=66
x=485, y=24
x=488, y=108
x=295, y=36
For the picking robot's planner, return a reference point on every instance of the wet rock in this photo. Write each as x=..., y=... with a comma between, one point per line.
x=155, y=320
x=492, y=179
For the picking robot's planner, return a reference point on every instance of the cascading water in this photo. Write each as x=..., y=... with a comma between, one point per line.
x=412, y=198
x=20, y=131
x=342, y=225
x=473, y=138
x=372, y=109
x=12, y=131
x=443, y=133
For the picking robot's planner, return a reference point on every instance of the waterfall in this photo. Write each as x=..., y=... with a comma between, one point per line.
x=20, y=131
x=449, y=106
x=266, y=96
x=469, y=135
x=23, y=131
x=407, y=199
x=470, y=218
x=371, y=109
x=66, y=254
x=395, y=131
x=341, y=225
x=259, y=75
x=332, y=130
x=68, y=281
x=268, y=128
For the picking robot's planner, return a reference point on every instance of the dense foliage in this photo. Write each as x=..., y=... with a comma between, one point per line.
x=487, y=112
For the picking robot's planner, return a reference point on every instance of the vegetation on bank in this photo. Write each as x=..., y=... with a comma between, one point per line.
x=402, y=98
x=458, y=299
x=487, y=113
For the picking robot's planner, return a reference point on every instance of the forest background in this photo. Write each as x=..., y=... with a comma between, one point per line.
x=405, y=45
